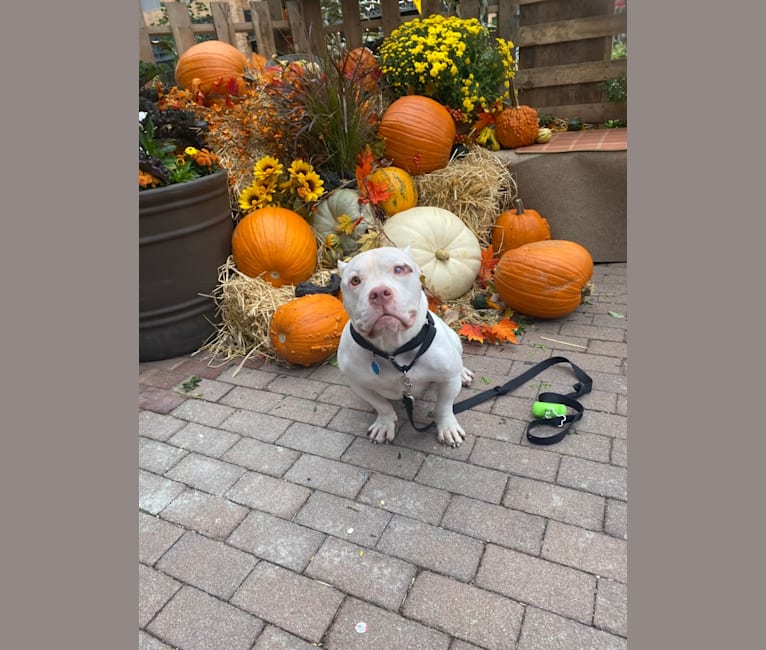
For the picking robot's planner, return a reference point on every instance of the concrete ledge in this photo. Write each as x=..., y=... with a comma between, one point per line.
x=582, y=194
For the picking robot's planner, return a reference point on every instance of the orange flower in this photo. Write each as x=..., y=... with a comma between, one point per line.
x=147, y=180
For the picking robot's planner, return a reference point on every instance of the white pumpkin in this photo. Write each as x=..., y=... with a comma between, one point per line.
x=343, y=202
x=443, y=246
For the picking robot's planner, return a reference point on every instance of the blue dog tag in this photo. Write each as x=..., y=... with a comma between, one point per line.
x=375, y=367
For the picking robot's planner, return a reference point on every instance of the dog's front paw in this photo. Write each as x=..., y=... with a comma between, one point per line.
x=449, y=432
x=382, y=430
x=466, y=376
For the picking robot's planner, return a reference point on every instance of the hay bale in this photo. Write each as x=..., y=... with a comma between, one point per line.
x=476, y=187
x=244, y=307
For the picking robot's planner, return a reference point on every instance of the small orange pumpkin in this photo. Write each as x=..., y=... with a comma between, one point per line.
x=275, y=243
x=517, y=227
x=516, y=125
x=307, y=330
x=418, y=132
x=219, y=67
x=361, y=65
x=403, y=193
x=544, y=279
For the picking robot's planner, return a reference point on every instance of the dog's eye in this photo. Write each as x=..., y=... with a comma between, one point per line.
x=401, y=268
x=354, y=281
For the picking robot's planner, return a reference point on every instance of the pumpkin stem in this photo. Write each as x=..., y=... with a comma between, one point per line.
x=519, y=206
x=442, y=255
x=514, y=94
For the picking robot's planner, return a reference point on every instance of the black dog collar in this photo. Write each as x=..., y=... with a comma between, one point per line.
x=423, y=338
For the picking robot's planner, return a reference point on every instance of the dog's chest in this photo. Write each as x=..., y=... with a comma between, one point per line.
x=381, y=376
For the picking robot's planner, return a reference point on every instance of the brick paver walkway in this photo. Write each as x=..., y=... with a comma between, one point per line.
x=268, y=521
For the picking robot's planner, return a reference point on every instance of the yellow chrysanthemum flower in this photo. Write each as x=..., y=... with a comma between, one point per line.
x=434, y=56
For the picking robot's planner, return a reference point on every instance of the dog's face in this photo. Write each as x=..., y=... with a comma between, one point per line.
x=382, y=292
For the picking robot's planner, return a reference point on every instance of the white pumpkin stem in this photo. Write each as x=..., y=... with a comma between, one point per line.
x=442, y=255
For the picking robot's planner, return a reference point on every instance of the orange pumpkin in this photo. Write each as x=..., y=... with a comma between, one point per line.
x=418, y=132
x=307, y=330
x=516, y=125
x=514, y=228
x=403, y=193
x=275, y=243
x=361, y=65
x=544, y=279
x=219, y=67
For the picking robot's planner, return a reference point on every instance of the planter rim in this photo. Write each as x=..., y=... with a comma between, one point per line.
x=179, y=187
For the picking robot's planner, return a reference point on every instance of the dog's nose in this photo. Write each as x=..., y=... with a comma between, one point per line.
x=381, y=295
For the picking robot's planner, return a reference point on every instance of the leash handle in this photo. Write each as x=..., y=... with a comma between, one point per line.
x=561, y=422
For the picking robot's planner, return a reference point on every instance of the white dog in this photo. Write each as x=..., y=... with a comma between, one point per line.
x=394, y=346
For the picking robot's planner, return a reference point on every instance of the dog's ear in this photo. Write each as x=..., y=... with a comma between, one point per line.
x=341, y=266
x=407, y=250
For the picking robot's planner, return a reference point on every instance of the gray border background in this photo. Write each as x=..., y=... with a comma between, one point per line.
x=70, y=259
x=695, y=513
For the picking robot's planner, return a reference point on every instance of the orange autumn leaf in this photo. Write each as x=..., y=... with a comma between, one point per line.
x=489, y=334
x=364, y=163
x=376, y=192
x=483, y=119
x=488, y=264
x=434, y=302
x=505, y=330
x=472, y=332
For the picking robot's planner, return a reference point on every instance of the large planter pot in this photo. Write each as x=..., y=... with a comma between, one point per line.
x=184, y=237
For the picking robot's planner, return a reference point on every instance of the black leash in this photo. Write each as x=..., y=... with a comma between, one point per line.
x=552, y=406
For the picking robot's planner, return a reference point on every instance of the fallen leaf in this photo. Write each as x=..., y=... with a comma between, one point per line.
x=472, y=332
x=616, y=314
x=488, y=264
x=368, y=240
x=505, y=330
x=434, y=302
x=376, y=192
x=364, y=163
x=191, y=383
x=346, y=224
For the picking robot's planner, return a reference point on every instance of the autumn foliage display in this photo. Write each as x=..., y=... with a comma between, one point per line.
x=327, y=156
